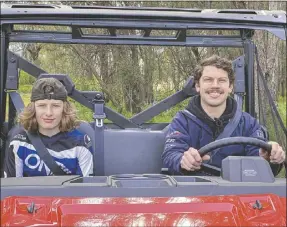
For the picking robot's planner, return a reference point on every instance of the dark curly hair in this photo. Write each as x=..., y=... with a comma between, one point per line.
x=218, y=62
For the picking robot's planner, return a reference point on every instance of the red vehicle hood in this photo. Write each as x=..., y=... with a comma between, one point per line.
x=150, y=211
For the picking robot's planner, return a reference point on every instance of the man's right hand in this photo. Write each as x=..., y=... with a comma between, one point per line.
x=191, y=160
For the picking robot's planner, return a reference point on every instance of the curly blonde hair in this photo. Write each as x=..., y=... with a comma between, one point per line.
x=68, y=122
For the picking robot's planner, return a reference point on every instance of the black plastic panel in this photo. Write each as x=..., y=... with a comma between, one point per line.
x=185, y=179
x=142, y=181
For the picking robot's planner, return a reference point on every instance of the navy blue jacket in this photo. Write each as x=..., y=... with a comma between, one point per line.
x=185, y=132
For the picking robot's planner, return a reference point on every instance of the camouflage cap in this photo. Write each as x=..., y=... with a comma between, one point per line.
x=48, y=88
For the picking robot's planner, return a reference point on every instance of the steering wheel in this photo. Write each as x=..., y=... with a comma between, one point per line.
x=226, y=142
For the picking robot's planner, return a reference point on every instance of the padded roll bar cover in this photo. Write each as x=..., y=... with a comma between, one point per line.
x=65, y=80
x=246, y=169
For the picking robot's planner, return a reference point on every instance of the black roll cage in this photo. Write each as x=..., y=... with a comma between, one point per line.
x=75, y=19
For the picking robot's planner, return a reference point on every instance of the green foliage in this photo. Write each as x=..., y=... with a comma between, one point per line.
x=85, y=114
x=25, y=81
x=282, y=173
x=281, y=105
x=25, y=97
x=271, y=129
x=282, y=108
x=168, y=115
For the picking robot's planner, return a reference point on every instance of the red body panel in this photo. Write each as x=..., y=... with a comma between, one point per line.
x=175, y=211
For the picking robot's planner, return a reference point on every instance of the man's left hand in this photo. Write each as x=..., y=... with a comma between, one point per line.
x=277, y=155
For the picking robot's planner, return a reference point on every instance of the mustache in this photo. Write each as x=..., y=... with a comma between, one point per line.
x=215, y=90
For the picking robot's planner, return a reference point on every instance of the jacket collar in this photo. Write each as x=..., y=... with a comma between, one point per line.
x=214, y=126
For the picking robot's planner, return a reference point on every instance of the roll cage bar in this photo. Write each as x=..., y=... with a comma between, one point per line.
x=143, y=21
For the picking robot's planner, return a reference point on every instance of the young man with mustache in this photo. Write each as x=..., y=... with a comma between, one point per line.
x=213, y=108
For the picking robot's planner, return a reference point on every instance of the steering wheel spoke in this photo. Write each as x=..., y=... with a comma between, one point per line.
x=227, y=142
x=210, y=170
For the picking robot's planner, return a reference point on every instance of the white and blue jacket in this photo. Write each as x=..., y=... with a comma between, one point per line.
x=72, y=151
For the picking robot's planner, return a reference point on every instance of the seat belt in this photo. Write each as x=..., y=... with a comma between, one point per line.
x=239, y=99
x=229, y=128
x=99, y=116
x=232, y=124
x=44, y=154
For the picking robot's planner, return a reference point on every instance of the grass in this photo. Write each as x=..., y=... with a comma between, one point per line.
x=282, y=108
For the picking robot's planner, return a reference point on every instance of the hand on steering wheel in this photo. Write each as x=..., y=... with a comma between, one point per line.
x=191, y=160
x=218, y=144
x=277, y=155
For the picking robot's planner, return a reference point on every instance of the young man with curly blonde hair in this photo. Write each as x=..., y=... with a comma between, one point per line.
x=52, y=117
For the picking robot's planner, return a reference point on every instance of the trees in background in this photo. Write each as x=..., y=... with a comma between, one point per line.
x=134, y=77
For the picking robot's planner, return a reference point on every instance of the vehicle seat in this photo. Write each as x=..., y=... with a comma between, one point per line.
x=130, y=151
x=133, y=151
x=86, y=128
